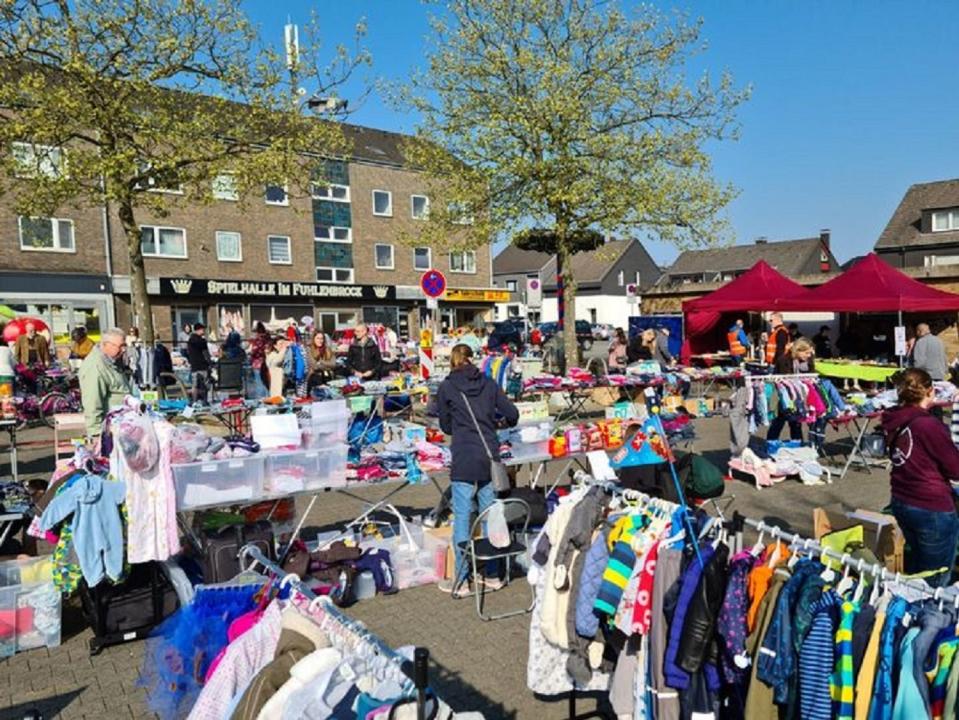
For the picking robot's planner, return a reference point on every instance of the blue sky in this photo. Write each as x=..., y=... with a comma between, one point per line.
x=853, y=101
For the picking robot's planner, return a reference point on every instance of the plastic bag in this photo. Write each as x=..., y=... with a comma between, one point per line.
x=138, y=442
x=187, y=443
x=496, y=528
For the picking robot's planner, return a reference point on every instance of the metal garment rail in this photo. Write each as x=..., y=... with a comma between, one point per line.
x=419, y=675
x=880, y=572
x=790, y=376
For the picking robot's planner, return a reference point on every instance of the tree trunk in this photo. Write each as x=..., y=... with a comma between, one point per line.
x=142, y=313
x=564, y=267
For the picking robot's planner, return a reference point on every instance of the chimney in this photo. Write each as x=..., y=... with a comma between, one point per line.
x=762, y=240
x=824, y=237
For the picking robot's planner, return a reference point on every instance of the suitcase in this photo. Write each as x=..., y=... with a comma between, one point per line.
x=221, y=549
x=129, y=610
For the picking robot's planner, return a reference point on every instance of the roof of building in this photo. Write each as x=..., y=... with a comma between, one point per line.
x=787, y=256
x=905, y=225
x=592, y=267
x=513, y=260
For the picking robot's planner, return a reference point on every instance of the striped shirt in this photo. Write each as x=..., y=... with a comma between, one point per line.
x=843, y=681
x=817, y=658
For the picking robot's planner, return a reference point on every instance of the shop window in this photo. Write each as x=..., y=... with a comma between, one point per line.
x=276, y=195
x=228, y=246
x=463, y=261
x=422, y=258
x=164, y=242
x=224, y=187
x=278, y=250
x=276, y=318
x=384, y=257
x=46, y=234
x=33, y=160
x=420, y=207
x=383, y=315
x=383, y=203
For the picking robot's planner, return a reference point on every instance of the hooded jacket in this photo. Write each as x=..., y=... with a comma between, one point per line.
x=97, y=526
x=924, y=460
x=487, y=400
x=102, y=386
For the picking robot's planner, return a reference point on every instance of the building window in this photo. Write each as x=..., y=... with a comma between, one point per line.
x=224, y=187
x=636, y=279
x=276, y=195
x=459, y=213
x=334, y=275
x=463, y=261
x=511, y=285
x=943, y=220
x=278, y=250
x=383, y=203
x=336, y=193
x=46, y=234
x=384, y=257
x=333, y=234
x=937, y=260
x=421, y=207
x=422, y=258
x=152, y=183
x=163, y=242
x=621, y=279
x=333, y=261
x=228, y=246
x=33, y=160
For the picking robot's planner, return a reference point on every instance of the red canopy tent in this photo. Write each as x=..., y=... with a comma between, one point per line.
x=872, y=285
x=758, y=289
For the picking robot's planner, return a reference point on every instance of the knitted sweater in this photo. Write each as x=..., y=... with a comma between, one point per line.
x=619, y=568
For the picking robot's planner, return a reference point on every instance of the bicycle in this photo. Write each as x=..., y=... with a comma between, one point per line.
x=56, y=393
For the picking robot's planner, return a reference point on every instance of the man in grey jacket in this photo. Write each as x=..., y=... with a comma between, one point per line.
x=929, y=354
x=103, y=384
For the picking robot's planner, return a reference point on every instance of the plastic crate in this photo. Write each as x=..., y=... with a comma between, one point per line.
x=289, y=472
x=331, y=468
x=30, y=606
x=327, y=427
x=219, y=482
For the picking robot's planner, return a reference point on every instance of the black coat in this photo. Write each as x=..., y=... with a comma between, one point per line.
x=198, y=353
x=470, y=461
x=364, y=356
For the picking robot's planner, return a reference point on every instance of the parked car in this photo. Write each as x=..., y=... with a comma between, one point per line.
x=506, y=335
x=544, y=331
x=602, y=331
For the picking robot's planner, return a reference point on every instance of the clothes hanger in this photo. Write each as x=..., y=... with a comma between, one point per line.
x=758, y=547
x=776, y=554
x=845, y=584
x=828, y=575
x=861, y=585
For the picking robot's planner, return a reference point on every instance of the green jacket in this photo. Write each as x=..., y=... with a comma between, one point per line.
x=102, y=386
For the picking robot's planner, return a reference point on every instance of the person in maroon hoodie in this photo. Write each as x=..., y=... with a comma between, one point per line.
x=925, y=466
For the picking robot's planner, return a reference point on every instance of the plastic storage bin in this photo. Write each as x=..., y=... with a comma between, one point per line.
x=327, y=425
x=30, y=606
x=289, y=472
x=331, y=468
x=220, y=482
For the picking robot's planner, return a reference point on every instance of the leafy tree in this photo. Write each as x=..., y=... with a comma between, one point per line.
x=570, y=116
x=115, y=101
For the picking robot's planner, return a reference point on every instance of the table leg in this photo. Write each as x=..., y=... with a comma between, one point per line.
x=14, y=467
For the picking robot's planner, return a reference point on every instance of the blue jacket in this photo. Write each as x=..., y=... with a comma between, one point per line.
x=675, y=676
x=817, y=658
x=587, y=621
x=881, y=706
x=470, y=462
x=776, y=661
x=97, y=525
x=742, y=336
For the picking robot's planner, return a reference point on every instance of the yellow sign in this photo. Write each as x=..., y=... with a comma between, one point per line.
x=477, y=295
x=426, y=338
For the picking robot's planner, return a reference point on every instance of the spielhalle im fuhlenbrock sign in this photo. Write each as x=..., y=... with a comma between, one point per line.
x=193, y=287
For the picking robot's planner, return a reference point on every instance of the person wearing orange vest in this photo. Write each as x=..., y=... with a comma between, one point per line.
x=738, y=341
x=778, y=341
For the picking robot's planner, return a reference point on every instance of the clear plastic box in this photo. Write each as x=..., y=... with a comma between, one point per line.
x=30, y=606
x=219, y=482
x=327, y=426
x=289, y=472
x=331, y=468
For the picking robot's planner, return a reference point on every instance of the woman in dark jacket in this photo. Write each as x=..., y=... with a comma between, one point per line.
x=925, y=470
x=470, y=474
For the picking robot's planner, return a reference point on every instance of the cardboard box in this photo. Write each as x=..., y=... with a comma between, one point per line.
x=698, y=407
x=533, y=411
x=881, y=533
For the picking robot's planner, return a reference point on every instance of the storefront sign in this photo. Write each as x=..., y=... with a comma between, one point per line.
x=477, y=295
x=191, y=287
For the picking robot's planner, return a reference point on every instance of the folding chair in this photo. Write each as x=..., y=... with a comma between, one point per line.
x=480, y=550
x=229, y=377
x=171, y=387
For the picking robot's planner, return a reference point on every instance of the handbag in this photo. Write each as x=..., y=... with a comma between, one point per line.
x=499, y=475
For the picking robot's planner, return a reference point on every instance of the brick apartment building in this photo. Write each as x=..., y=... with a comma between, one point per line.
x=336, y=257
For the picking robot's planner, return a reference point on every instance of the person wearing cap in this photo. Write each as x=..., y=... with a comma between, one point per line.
x=661, y=352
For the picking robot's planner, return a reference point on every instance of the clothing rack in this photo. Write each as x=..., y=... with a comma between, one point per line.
x=781, y=376
x=809, y=546
x=419, y=673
